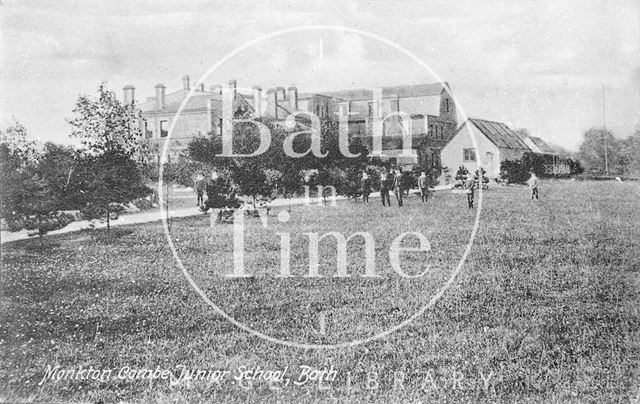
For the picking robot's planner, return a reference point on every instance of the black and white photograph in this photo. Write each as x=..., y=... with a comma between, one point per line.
x=295, y=201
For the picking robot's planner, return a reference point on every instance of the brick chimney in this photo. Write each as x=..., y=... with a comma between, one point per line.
x=216, y=89
x=129, y=94
x=280, y=93
x=233, y=84
x=201, y=87
x=293, y=98
x=257, y=100
x=160, y=88
x=185, y=82
x=272, y=103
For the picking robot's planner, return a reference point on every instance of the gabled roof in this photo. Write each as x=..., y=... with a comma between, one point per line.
x=542, y=145
x=416, y=90
x=499, y=134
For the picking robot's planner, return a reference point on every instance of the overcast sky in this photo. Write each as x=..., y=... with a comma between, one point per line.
x=538, y=65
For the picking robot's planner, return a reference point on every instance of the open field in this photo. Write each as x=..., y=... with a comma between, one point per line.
x=545, y=309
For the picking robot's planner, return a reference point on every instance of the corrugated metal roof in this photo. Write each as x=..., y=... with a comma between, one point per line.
x=500, y=134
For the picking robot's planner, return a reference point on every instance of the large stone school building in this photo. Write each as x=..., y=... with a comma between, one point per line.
x=427, y=109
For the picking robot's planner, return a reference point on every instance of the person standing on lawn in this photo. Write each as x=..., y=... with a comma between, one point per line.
x=533, y=185
x=469, y=189
x=366, y=187
x=200, y=188
x=423, y=184
x=384, y=187
x=397, y=186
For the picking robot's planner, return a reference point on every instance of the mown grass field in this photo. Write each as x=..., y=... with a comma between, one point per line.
x=546, y=308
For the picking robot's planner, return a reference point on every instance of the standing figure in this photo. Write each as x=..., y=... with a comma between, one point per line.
x=397, y=186
x=384, y=188
x=469, y=189
x=423, y=184
x=533, y=184
x=200, y=187
x=366, y=187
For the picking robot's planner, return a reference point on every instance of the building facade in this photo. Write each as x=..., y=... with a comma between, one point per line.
x=427, y=112
x=494, y=143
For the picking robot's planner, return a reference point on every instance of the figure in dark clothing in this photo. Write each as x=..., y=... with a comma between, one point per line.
x=423, y=184
x=469, y=189
x=384, y=188
x=397, y=186
x=200, y=188
x=366, y=187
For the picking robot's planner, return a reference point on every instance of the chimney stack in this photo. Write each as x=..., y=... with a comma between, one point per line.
x=201, y=87
x=129, y=94
x=272, y=103
x=216, y=89
x=280, y=93
x=185, y=83
x=257, y=100
x=293, y=98
x=233, y=84
x=160, y=96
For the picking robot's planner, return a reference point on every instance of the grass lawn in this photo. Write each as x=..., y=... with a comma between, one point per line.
x=545, y=308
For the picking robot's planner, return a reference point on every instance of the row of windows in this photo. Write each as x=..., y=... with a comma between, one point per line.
x=436, y=131
x=322, y=110
x=394, y=106
x=164, y=129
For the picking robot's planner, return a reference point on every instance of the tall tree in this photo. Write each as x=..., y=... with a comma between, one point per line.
x=598, y=149
x=104, y=124
x=105, y=182
x=259, y=176
x=107, y=174
x=630, y=153
x=34, y=184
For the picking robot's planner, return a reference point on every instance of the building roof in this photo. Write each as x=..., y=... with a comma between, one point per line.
x=172, y=101
x=394, y=142
x=416, y=90
x=499, y=134
x=542, y=145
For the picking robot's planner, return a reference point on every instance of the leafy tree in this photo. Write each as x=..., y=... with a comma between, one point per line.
x=461, y=174
x=19, y=144
x=592, y=151
x=107, y=174
x=574, y=166
x=517, y=171
x=34, y=184
x=106, y=181
x=260, y=177
x=630, y=154
x=104, y=124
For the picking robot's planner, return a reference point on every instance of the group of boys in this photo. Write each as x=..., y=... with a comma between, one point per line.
x=220, y=193
x=393, y=180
